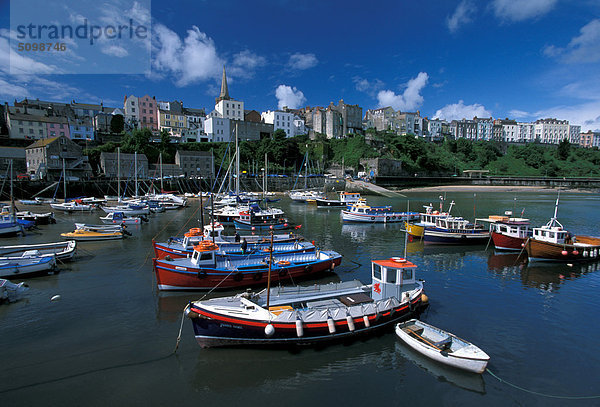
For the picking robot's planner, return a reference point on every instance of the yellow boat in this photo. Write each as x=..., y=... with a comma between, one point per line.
x=86, y=235
x=414, y=230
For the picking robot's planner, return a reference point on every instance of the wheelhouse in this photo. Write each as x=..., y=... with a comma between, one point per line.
x=391, y=277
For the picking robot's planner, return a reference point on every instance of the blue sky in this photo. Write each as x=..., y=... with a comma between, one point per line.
x=523, y=59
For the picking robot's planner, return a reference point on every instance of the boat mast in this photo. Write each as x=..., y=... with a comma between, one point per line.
x=12, y=198
x=136, y=171
x=269, y=272
x=161, y=173
x=64, y=179
x=119, y=173
x=237, y=163
x=306, y=169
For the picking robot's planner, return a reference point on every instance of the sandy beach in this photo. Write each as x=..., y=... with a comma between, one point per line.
x=493, y=188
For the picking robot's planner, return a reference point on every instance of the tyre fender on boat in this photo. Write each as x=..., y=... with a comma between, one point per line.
x=201, y=274
x=282, y=272
x=257, y=276
x=308, y=268
x=238, y=276
x=299, y=328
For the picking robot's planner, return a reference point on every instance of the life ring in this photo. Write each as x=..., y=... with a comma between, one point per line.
x=267, y=249
x=308, y=268
x=398, y=259
x=194, y=232
x=257, y=276
x=201, y=274
x=238, y=276
x=206, y=245
x=283, y=263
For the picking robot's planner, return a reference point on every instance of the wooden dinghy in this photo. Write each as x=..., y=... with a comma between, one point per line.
x=442, y=346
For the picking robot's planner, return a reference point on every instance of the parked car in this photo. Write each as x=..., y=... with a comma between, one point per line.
x=23, y=176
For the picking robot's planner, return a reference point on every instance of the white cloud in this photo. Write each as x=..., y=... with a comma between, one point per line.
x=245, y=63
x=581, y=49
x=458, y=111
x=12, y=91
x=520, y=10
x=587, y=115
x=192, y=60
x=115, y=51
x=410, y=99
x=519, y=114
x=369, y=87
x=17, y=62
x=462, y=15
x=302, y=61
x=289, y=96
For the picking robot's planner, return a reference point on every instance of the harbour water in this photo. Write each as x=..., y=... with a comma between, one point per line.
x=109, y=339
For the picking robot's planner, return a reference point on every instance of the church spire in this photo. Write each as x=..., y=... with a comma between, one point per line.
x=224, y=90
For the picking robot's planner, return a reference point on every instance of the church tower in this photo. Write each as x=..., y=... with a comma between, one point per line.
x=224, y=89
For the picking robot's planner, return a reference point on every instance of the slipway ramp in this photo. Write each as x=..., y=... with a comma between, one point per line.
x=367, y=187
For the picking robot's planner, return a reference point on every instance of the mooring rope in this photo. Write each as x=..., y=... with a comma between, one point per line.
x=537, y=393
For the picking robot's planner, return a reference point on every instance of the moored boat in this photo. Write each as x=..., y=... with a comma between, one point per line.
x=346, y=199
x=61, y=250
x=95, y=232
x=206, y=270
x=286, y=316
x=73, y=206
x=11, y=292
x=361, y=212
x=426, y=219
x=25, y=266
x=442, y=346
x=552, y=242
x=508, y=233
x=455, y=230
x=119, y=218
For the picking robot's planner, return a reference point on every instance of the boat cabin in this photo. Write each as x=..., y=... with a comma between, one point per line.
x=366, y=209
x=215, y=230
x=513, y=228
x=204, y=253
x=350, y=197
x=552, y=234
x=392, y=277
x=453, y=223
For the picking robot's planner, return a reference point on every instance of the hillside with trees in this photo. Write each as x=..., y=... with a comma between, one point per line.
x=450, y=157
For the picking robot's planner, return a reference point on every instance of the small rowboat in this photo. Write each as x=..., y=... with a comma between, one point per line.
x=442, y=346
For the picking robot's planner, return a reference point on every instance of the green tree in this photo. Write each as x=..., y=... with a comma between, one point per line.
x=117, y=124
x=563, y=150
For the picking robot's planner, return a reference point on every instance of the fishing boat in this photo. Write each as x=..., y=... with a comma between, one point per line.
x=313, y=314
x=346, y=199
x=262, y=220
x=552, y=242
x=11, y=292
x=426, y=219
x=26, y=265
x=119, y=218
x=361, y=212
x=206, y=270
x=177, y=247
x=442, y=346
x=73, y=206
x=455, y=230
x=60, y=250
x=508, y=233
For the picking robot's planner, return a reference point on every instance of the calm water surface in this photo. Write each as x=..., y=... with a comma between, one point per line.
x=109, y=339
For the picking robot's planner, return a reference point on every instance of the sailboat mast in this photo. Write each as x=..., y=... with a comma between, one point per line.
x=119, y=173
x=136, y=171
x=161, y=173
x=237, y=163
x=64, y=179
x=306, y=168
x=269, y=273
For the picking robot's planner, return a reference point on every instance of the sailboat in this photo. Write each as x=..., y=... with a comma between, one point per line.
x=73, y=206
x=304, y=195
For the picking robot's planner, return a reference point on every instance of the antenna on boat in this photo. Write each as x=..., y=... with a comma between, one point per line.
x=269, y=272
x=406, y=231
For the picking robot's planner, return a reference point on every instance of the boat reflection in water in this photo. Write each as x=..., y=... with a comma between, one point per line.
x=267, y=370
x=363, y=232
x=544, y=276
x=459, y=378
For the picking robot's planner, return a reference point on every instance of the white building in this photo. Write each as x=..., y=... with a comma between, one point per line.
x=434, y=128
x=551, y=131
x=227, y=107
x=280, y=120
x=217, y=129
x=574, y=134
x=510, y=131
x=485, y=128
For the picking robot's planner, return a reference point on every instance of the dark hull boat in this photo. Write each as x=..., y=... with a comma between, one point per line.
x=288, y=316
